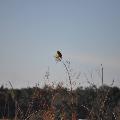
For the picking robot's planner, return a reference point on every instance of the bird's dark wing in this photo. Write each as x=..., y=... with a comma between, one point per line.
x=59, y=53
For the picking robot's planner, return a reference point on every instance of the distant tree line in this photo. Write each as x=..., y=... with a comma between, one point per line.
x=90, y=102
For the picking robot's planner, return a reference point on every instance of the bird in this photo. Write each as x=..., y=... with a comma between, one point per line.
x=58, y=56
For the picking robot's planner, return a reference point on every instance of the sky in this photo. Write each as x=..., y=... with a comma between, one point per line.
x=87, y=32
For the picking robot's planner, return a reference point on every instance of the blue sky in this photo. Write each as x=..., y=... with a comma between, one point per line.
x=86, y=31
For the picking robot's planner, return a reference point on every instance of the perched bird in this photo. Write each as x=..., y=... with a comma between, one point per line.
x=58, y=56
